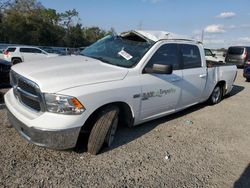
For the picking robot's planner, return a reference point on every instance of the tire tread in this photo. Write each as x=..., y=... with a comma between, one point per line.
x=100, y=129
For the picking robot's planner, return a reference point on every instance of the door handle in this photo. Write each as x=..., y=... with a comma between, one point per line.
x=202, y=75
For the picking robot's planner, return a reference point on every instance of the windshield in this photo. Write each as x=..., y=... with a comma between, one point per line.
x=208, y=52
x=116, y=50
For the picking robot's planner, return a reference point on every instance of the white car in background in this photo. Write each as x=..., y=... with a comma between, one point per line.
x=210, y=56
x=18, y=54
x=1, y=53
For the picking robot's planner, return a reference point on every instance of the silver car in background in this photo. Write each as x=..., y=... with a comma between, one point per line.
x=237, y=55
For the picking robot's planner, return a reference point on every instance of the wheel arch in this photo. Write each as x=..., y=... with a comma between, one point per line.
x=223, y=85
x=126, y=115
x=16, y=58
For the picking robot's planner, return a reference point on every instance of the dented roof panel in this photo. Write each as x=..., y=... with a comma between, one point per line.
x=161, y=35
x=154, y=35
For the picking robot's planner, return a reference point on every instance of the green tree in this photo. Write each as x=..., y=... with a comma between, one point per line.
x=3, y=5
x=73, y=33
x=93, y=34
x=29, y=22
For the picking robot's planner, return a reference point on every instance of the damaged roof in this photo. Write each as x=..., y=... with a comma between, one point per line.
x=158, y=35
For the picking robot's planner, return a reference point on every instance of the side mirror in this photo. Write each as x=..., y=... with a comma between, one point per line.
x=213, y=55
x=160, y=69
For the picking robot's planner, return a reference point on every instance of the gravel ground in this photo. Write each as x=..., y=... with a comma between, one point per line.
x=206, y=146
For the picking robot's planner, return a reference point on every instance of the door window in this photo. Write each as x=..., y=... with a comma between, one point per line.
x=25, y=50
x=190, y=55
x=34, y=50
x=30, y=50
x=165, y=55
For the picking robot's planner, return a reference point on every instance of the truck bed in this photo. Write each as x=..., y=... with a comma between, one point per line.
x=216, y=64
x=220, y=72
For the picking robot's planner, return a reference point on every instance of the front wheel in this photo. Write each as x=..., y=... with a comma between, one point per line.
x=216, y=95
x=104, y=129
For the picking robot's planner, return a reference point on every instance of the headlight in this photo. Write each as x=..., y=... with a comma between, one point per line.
x=63, y=104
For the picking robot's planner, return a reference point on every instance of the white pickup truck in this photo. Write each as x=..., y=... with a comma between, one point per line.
x=210, y=56
x=129, y=79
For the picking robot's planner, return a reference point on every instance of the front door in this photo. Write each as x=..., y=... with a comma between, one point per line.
x=161, y=92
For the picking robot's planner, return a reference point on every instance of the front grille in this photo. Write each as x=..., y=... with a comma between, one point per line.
x=13, y=78
x=26, y=86
x=27, y=92
x=30, y=103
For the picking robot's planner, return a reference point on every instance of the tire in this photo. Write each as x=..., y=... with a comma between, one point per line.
x=104, y=129
x=248, y=79
x=16, y=61
x=216, y=95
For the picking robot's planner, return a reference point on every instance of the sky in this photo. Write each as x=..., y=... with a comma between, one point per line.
x=224, y=22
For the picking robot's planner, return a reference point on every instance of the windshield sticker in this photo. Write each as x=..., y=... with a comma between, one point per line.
x=125, y=55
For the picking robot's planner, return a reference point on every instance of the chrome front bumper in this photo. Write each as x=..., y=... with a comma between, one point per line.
x=54, y=139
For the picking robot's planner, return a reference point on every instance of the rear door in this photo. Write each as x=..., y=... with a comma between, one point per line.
x=38, y=54
x=194, y=75
x=27, y=54
x=161, y=92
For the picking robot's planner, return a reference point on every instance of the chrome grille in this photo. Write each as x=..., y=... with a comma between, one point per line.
x=26, y=86
x=27, y=92
x=30, y=103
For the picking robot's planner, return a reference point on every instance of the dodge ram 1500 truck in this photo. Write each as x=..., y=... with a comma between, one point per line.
x=129, y=79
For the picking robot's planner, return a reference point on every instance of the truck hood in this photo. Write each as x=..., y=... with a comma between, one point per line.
x=60, y=73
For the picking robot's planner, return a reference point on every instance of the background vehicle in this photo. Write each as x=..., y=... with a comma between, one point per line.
x=131, y=78
x=246, y=72
x=209, y=55
x=1, y=53
x=18, y=54
x=5, y=67
x=237, y=55
x=2, y=48
x=49, y=50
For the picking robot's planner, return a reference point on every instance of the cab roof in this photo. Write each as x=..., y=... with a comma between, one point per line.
x=158, y=35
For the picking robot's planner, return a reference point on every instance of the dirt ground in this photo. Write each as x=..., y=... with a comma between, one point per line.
x=206, y=146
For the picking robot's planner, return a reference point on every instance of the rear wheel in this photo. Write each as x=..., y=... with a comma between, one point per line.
x=216, y=95
x=103, y=131
x=16, y=61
